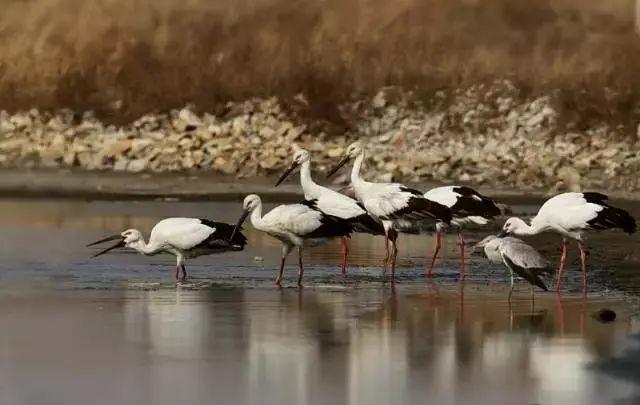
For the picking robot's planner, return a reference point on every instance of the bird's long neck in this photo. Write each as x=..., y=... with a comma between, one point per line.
x=356, y=178
x=307, y=183
x=141, y=246
x=527, y=230
x=256, y=217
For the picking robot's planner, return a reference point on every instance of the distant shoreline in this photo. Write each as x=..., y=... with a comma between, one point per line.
x=183, y=186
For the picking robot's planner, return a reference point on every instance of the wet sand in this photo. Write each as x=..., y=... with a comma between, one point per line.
x=118, y=330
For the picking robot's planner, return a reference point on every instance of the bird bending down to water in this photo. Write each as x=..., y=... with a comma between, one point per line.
x=331, y=202
x=182, y=237
x=519, y=258
x=397, y=206
x=467, y=207
x=572, y=215
x=295, y=225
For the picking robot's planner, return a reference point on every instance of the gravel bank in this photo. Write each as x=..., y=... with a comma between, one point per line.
x=488, y=136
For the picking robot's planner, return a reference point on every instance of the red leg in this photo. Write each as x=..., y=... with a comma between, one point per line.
x=184, y=272
x=583, y=263
x=300, y=267
x=345, y=253
x=394, y=245
x=435, y=254
x=462, y=263
x=386, y=255
x=280, y=272
x=177, y=273
x=563, y=262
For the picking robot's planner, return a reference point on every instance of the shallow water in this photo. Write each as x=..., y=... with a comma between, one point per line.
x=117, y=329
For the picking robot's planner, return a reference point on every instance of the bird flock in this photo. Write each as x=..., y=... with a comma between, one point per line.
x=389, y=210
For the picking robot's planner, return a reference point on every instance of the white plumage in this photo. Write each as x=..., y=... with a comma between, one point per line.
x=295, y=225
x=331, y=202
x=467, y=207
x=397, y=206
x=179, y=233
x=182, y=237
x=572, y=215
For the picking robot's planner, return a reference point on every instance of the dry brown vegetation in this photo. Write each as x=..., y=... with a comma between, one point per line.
x=155, y=54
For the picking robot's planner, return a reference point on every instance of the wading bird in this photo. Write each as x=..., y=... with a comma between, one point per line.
x=572, y=215
x=467, y=207
x=181, y=237
x=520, y=258
x=399, y=207
x=295, y=225
x=331, y=202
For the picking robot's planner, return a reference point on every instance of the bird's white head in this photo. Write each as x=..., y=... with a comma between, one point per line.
x=251, y=202
x=131, y=236
x=352, y=152
x=514, y=226
x=300, y=157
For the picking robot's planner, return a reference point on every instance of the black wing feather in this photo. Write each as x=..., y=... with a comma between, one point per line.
x=411, y=190
x=421, y=208
x=365, y=223
x=609, y=217
x=595, y=198
x=472, y=203
x=331, y=227
x=221, y=237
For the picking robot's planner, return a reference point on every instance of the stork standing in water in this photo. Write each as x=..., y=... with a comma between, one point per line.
x=397, y=206
x=467, y=207
x=572, y=215
x=331, y=202
x=520, y=258
x=295, y=225
x=182, y=237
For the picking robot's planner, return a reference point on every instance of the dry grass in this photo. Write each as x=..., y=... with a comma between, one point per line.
x=155, y=54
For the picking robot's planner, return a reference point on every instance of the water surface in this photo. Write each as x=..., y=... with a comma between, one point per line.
x=118, y=330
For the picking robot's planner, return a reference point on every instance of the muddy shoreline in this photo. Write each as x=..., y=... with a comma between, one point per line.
x=184, y=186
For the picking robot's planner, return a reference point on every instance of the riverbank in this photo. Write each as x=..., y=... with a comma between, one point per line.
x=109, y=185
x=486, y=136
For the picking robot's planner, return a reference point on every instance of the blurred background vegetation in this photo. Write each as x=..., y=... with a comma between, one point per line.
x=124, y=58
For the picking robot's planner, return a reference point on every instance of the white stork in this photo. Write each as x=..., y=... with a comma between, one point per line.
x=520, y=258
x=331, y=202
x=467, y=207
x=182, y=237
x=400, y=208
x=295, y=225
x=572, y=215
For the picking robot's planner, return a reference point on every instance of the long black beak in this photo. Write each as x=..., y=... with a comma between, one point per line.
x=244, y=216
x=107, y=239
x=109, y=249
x=286, y=173
x=502, y=234
x=342, y=162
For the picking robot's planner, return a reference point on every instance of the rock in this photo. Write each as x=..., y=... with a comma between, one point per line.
x=137, y=165
x=13, y=144
x=6, y=126
x=379, y=100
x=223, y=165
x=118, y=148
x=189, y=118
x=605, y=315
x=139, y=145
